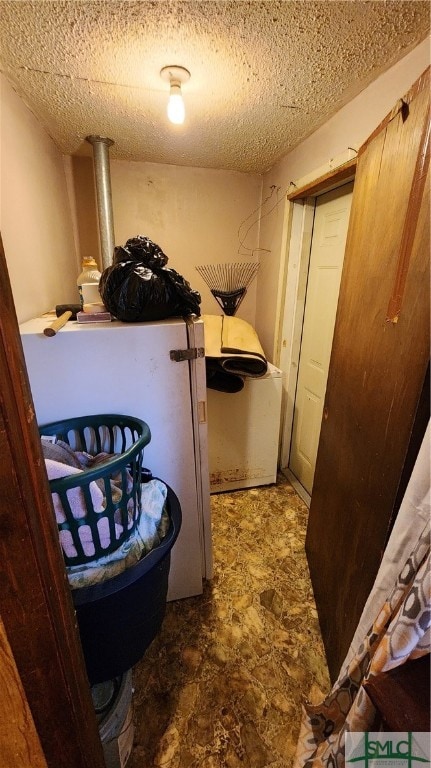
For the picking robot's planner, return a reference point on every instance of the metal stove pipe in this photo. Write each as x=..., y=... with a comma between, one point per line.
x=102, y=175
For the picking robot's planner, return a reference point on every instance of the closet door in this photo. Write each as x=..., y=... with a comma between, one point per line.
x=328, y=245
x=377, y=370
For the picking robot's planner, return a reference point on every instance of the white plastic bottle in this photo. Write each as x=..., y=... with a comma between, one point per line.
x=90, y=274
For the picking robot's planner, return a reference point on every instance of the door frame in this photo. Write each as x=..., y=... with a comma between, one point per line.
x=35, y=601
x=300, y=215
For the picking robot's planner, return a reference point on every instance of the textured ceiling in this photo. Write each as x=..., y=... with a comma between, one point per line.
x=264, y=75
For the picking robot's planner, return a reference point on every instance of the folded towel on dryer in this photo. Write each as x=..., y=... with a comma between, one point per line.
x=232, y=351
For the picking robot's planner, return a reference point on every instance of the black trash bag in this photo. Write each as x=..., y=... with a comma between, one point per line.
x=139, y=286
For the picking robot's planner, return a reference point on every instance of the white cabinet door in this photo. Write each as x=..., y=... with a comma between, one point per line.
x=126, y=368
x=326, y=262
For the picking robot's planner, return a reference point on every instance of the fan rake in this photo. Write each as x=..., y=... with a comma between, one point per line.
x=228, y=283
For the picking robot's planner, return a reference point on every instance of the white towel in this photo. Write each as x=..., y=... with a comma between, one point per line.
x=76, y=499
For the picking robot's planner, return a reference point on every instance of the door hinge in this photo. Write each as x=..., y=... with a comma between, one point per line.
x=178, y=355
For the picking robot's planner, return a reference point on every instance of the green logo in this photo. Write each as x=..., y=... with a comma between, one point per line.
x=389, y=749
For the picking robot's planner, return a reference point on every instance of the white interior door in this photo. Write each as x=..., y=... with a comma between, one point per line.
x=326, y=261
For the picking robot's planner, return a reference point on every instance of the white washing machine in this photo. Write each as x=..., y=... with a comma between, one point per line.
x=243, y=433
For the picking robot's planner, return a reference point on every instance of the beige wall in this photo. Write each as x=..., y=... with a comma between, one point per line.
x=85, y=208
x=348, y=128
x=35, y=218
x=193, y=214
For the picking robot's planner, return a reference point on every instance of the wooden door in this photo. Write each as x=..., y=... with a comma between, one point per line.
x=378, y=367
x=331, y=220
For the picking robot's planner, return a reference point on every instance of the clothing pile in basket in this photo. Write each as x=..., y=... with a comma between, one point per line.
x=62, y=461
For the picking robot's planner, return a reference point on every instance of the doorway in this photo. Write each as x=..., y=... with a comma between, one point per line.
x=329, y=216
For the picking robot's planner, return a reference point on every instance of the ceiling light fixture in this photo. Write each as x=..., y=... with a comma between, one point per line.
x=175, y=76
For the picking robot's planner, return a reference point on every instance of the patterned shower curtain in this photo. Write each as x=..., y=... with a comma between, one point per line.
x=400, y=631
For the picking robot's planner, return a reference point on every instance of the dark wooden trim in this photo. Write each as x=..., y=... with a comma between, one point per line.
x=19, y=743
x=419, y=428
x=401, y=696
x=325, y=183
x=35, y=600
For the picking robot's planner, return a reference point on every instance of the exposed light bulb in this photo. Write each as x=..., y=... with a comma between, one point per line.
x=176, y=76
x=176, y=109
